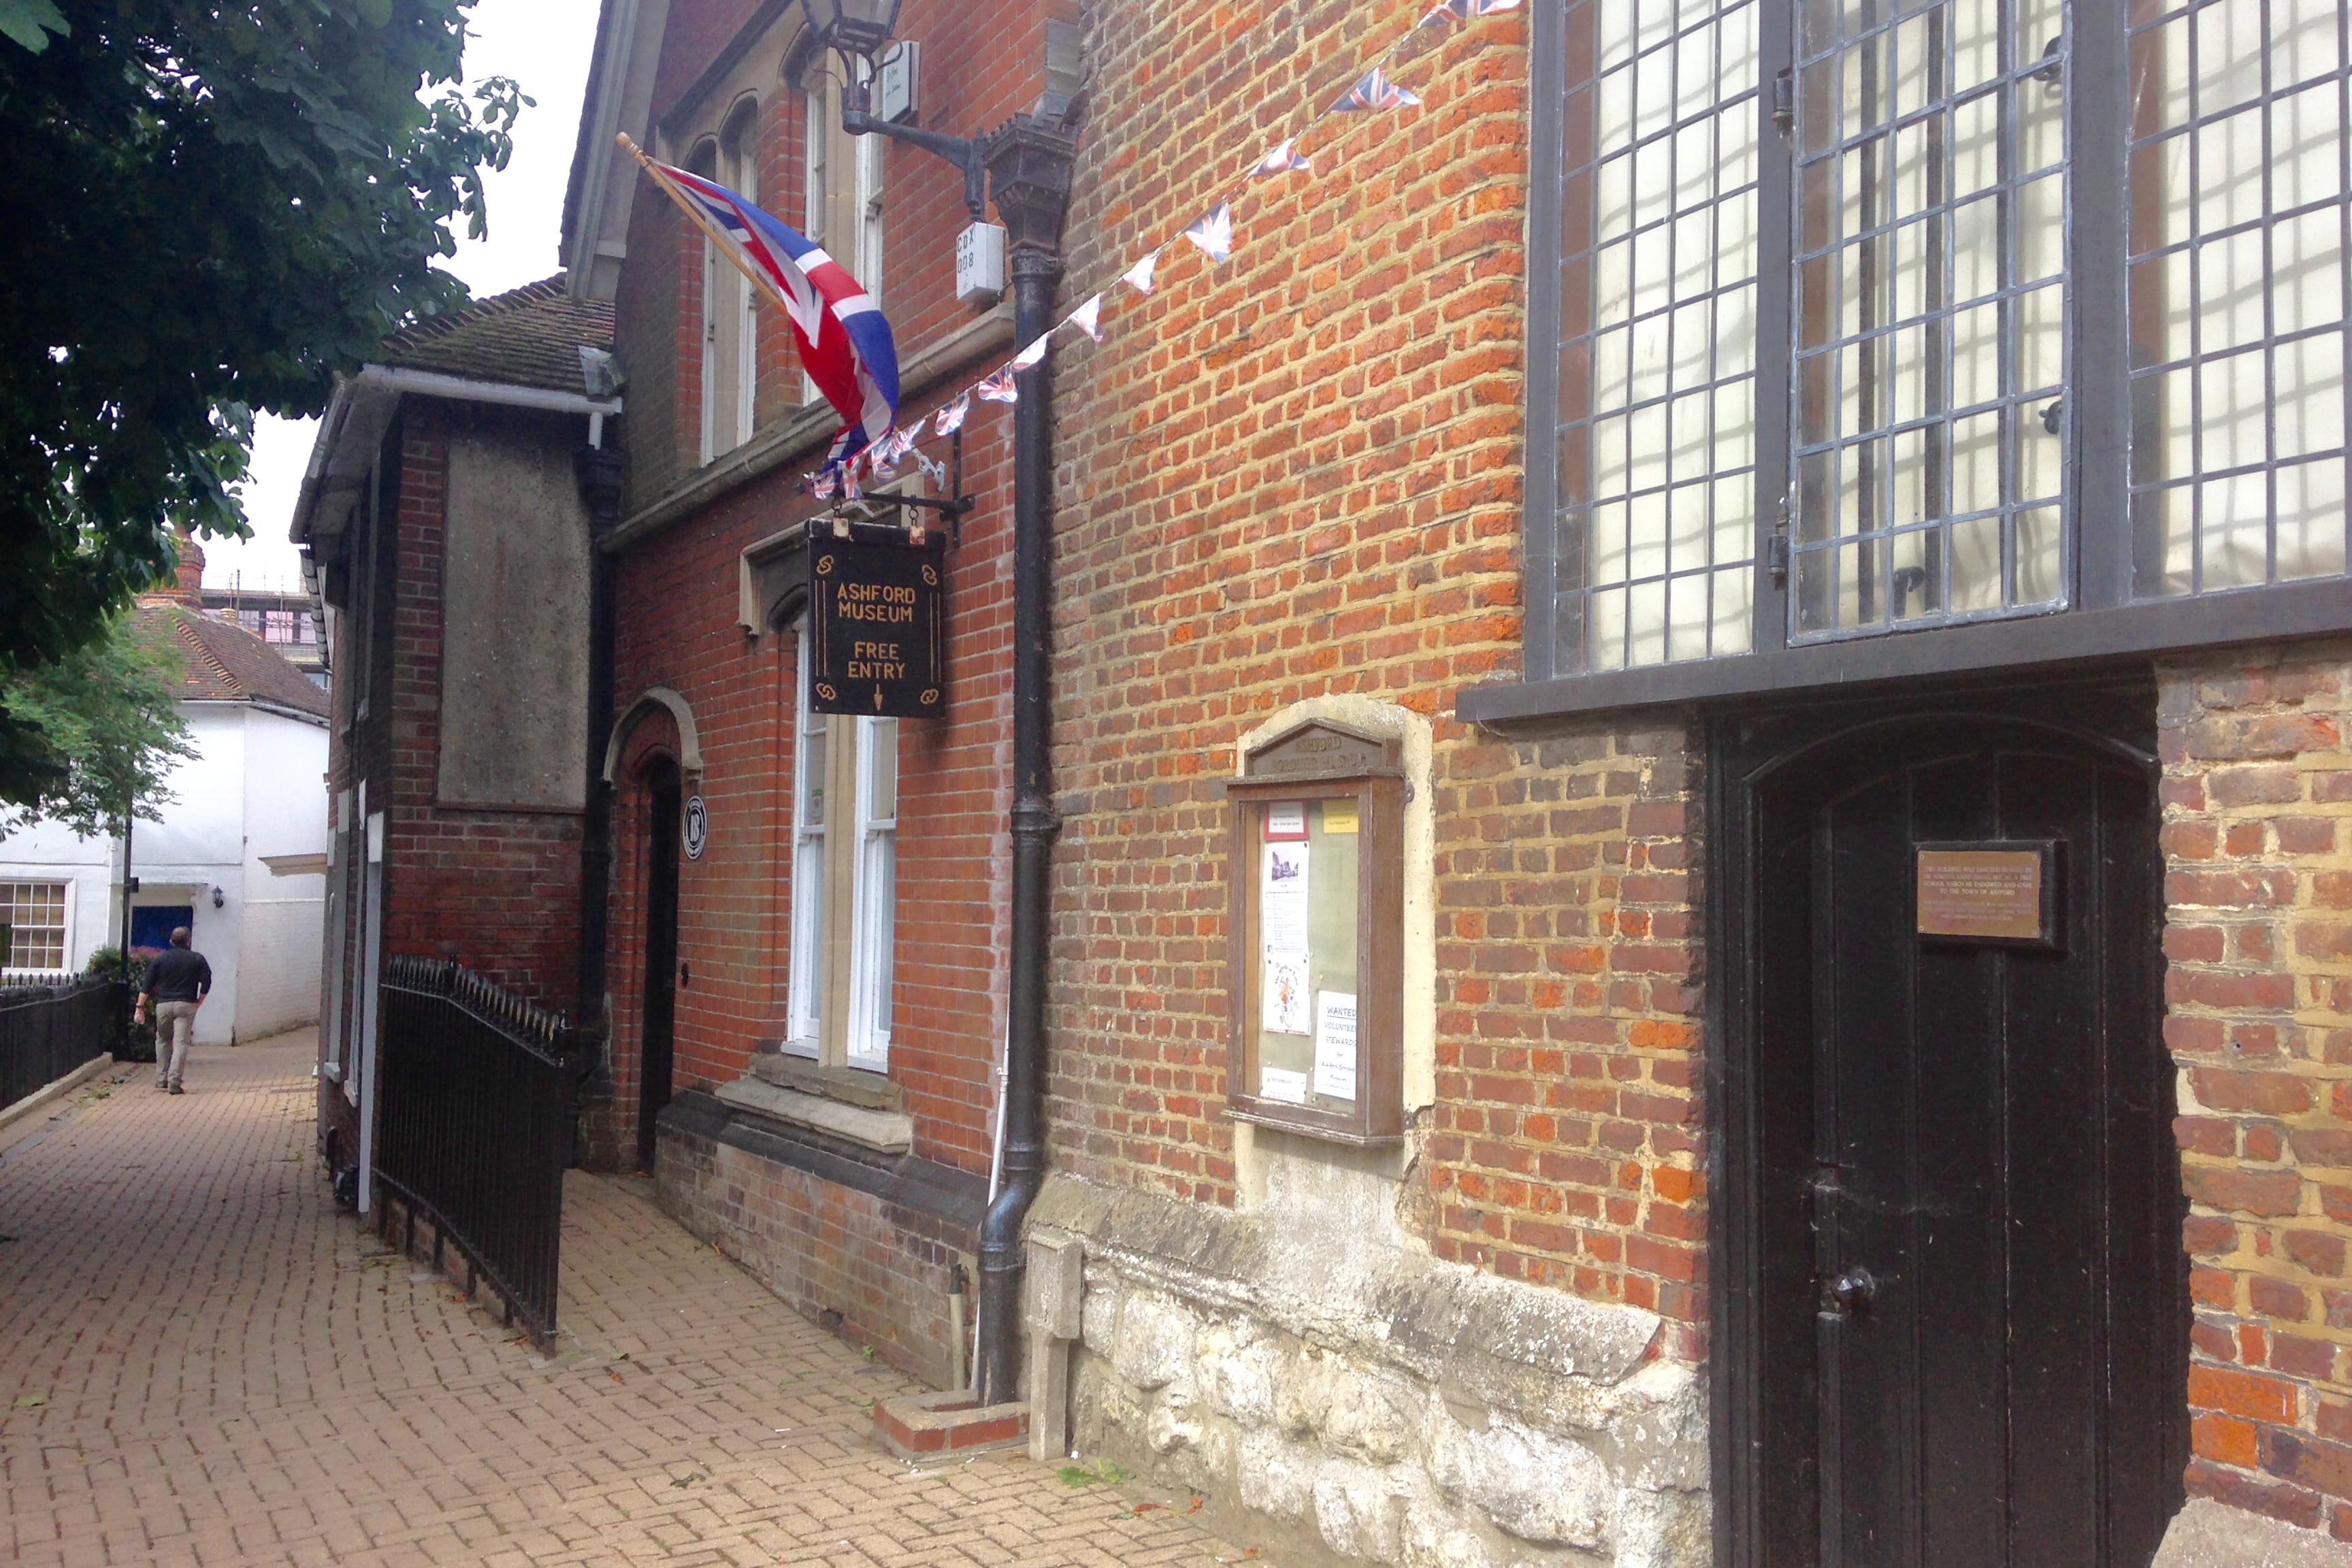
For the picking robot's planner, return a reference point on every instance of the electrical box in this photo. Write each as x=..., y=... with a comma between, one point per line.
x=979, y=264
x=1318, y=924
x=894, y=84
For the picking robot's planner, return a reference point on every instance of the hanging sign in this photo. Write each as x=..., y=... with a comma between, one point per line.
x=877, y=626
x=694, y=826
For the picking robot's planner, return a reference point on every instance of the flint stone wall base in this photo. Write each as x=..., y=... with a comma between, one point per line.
x=2209, y=1534
x=1338, y=1403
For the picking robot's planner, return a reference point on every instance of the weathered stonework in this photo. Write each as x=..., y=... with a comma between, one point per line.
x=1336, y=1393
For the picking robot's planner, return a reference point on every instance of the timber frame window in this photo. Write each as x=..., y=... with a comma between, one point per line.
x=730, y=305
x=1884, y=338
x=841, y=206
x=35, y=913
x=844, y=883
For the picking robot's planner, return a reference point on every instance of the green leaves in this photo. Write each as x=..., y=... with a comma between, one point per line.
x=210, y=210
x=94, y=731
x=30, y=22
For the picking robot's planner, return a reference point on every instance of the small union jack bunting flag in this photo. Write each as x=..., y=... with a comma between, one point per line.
x=1139, y=276
x=1213, y=231
x=825, y=484
x=1087, y=318
x=951, y=419
x=998, y=388
x=1463, y=10
x=1031, y=355
x=1376, y=91
x=1285, y=159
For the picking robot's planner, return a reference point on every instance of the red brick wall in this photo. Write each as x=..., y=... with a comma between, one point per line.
x=981, y=64
x=1565, y=1145
x=677, y=609
x=1298, y=474
x=2257, y=790
x=497, y=890
x=878, y=1273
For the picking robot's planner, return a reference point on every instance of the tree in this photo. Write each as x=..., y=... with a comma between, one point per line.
x=211, y=207
x=110, y=708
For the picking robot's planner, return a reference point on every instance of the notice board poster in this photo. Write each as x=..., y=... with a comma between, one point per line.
x=877, y=626
x=1307, y=951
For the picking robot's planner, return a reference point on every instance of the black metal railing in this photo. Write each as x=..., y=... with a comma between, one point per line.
x=477, y=1089
x=49, y=1027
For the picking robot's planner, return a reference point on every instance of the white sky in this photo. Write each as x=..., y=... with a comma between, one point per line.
x=545, y=45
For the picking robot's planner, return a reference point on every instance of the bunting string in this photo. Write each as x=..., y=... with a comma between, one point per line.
x=1372, y=92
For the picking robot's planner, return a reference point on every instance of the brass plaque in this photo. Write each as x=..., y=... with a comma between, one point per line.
x=1988, y=894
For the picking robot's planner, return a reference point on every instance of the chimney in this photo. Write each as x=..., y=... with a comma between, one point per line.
x=188, y=571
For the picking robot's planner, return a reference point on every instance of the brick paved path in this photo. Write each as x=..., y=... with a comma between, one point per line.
x=202, y=1362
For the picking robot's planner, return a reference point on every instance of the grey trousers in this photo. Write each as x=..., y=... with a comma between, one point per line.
x=175, y=1024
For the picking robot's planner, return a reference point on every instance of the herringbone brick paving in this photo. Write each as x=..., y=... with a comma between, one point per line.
x=202, y=1362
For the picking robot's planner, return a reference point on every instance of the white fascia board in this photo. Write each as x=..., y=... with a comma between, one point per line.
x=361, y=409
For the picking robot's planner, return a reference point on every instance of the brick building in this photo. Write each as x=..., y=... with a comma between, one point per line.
x=446, y=522
x=1784, y=478
x=804, y=1012
x=1820, y=539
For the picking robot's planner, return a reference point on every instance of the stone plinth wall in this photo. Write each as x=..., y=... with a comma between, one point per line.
x=1337, y=1397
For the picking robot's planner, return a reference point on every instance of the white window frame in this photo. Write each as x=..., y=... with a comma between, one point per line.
x=821, y=205
x=804, y=1012
x=64, y=922
x=874, y=903
x=854, y=1029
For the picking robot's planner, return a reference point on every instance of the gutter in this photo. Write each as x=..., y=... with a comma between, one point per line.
x=362, y=407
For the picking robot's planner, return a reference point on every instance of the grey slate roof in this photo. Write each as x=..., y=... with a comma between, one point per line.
x=530, y=336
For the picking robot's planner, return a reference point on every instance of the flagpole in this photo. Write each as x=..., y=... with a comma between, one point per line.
x=686, y=204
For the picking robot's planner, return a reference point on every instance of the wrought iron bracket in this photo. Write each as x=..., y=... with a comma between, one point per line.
x=969, y=154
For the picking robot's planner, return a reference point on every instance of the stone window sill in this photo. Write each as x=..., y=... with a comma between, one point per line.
x=887, y=1131
x=851, y=1086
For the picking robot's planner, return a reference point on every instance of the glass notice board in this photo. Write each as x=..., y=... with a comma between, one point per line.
x=1315, y=961
x=1306, y=951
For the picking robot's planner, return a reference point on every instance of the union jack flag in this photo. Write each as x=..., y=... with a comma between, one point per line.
x=845, y=339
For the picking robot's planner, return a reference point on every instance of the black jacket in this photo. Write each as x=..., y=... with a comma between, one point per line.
x=178, y=975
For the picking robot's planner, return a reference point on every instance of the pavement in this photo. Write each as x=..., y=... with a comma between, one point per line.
x=204, y=1362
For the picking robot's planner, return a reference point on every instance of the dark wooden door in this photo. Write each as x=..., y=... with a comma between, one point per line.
x=1972, y=1288
x=664, y=806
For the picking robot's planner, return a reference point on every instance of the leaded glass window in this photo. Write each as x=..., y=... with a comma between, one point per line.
x=1657, y=421
x=1930, y=315
x=2237, y=245
x=1869, y=317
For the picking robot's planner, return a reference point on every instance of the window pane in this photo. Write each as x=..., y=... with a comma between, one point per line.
x=2237, y=305
x=1931, y=312
x=1657, y=444
x=805, y=990
x=35, y=912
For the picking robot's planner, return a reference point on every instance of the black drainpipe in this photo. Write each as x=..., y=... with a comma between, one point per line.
x=1030, y=164
x=599, y=471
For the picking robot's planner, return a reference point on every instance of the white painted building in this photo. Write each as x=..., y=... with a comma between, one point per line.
x=239, y=856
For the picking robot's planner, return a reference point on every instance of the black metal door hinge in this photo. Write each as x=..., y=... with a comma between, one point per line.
x=1784, y=101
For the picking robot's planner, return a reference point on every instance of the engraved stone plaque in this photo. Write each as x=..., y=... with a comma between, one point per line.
x=1320, y=749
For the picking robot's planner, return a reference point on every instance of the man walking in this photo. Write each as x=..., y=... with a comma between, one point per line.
x=177, y=984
